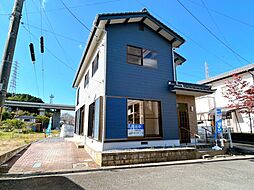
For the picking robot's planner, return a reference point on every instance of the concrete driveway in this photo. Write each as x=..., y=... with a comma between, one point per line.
x=48, y=155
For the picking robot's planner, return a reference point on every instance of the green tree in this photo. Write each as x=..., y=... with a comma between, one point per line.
x=44, y=120
x=12, y=124
x=23, y=98
x=6, y=115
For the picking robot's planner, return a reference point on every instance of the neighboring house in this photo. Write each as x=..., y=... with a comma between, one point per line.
x=231, y=118
x=26, y=118
x=127, y=93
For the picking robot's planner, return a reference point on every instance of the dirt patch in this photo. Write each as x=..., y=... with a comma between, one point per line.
x=10, y=141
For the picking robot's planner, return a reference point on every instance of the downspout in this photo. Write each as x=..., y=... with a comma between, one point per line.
x=174, y=67
x=237, y=121
x=250, y=123
x=104, y=98
x=249, y=71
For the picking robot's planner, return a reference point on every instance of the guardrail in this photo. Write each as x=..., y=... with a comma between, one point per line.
x=195, y=135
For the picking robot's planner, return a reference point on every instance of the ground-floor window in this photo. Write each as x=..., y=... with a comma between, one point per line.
x=144, y=118
x=94, y=120
x=91, y=120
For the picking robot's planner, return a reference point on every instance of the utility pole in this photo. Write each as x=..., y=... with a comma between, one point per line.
x=9, y=51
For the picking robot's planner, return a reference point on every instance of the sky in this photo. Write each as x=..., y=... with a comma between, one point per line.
x=225, y=44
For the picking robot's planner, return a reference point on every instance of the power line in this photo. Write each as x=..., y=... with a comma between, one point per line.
x=58, y=42
x=42, y=54
x=76, y=17
x=28, y=22
x=188, y=74
x=51, y=53
x=224, y=15
x=83, y=5
x=218, y=28
x=214, y=22
x=76, y=6
x=36, y=79
x=191, y=39
x=29, y=31
x=210, y=32
x=60, y=35
x=68, y=66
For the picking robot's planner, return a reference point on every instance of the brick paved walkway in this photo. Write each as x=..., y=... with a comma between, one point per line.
x=51, y=154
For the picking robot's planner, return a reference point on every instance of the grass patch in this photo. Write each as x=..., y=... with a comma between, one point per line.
x=55, y=133
x=11, y=140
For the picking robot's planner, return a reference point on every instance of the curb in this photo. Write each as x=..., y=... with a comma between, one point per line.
x=111, y=168
x=8, y=155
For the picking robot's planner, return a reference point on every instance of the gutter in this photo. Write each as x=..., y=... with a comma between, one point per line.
x=86, y=49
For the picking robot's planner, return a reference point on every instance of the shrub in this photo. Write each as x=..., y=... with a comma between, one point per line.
x=6, y=115
x=44, y=120
x=5, y=126
x=13, y=124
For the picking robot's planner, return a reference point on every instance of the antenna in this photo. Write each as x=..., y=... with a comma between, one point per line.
x=206, y=71
x=13, y=82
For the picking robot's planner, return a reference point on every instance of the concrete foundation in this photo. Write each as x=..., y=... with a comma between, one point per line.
x=138, y=156
x=125, y=157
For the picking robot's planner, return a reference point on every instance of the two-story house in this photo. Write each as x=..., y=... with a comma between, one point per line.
x=127, y=93
x=232, y=118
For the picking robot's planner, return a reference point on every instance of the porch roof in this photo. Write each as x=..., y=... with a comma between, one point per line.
x=190, y=89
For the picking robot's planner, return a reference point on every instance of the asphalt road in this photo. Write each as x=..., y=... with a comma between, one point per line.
x=218, y=175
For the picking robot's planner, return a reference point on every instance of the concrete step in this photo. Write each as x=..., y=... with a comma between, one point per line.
x=209, y=153
x=204, y=146
x=199, y=146
x=79, y=145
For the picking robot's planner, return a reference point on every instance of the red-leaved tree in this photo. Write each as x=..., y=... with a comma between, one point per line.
x=240, y=95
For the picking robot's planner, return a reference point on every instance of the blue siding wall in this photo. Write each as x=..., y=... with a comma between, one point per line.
x=133, y=81
x=116, y=123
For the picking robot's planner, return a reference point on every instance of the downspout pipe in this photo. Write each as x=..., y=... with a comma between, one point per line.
x=252, y=74
x=174, y=67
x=249, y=71
x=104, y=99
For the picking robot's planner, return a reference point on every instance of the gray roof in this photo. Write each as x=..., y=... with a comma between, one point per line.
x=25, y=117
x=143, y=13
x=190, y=87
x=228, y=74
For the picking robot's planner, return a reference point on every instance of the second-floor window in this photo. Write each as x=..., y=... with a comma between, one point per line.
x=95, y=64
x=141, y=56
x=86, y=79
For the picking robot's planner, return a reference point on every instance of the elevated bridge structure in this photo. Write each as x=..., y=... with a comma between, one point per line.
x=41, y=107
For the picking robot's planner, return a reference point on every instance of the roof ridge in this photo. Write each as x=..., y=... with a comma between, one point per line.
x=227, y=74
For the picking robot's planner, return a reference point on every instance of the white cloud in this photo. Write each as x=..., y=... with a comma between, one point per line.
x=43, y=3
